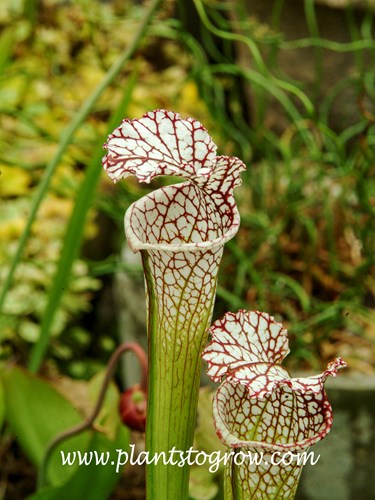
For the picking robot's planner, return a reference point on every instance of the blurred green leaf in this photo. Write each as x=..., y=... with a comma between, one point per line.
x=36, y=413
x=205, y=435
x=295, y=287
x=74, y=233
x=202, y=485
x=91, y=481
x=2, y=405
x=7, y=40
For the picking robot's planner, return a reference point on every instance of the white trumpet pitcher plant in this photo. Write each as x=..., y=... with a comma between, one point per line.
x=259, y=410
x=180, y=231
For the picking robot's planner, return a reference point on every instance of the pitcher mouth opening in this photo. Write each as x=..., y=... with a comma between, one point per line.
x=179, y=218
x=298, y=438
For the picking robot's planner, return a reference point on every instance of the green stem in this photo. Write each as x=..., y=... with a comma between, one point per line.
x=177, y=332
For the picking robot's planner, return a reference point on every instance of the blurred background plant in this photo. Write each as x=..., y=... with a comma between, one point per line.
x=288, y=86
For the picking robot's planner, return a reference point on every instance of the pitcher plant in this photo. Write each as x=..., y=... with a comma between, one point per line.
x=268, y=418
x=180, y=231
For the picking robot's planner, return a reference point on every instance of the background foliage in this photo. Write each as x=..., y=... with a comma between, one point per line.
x=70, y=71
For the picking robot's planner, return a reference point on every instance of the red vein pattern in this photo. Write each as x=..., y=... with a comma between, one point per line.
x=159, y=143
x=182, y=227
x=248, y=347
x=285, y=422
x=258, y=407
x=244, y=338
x=181, y=231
